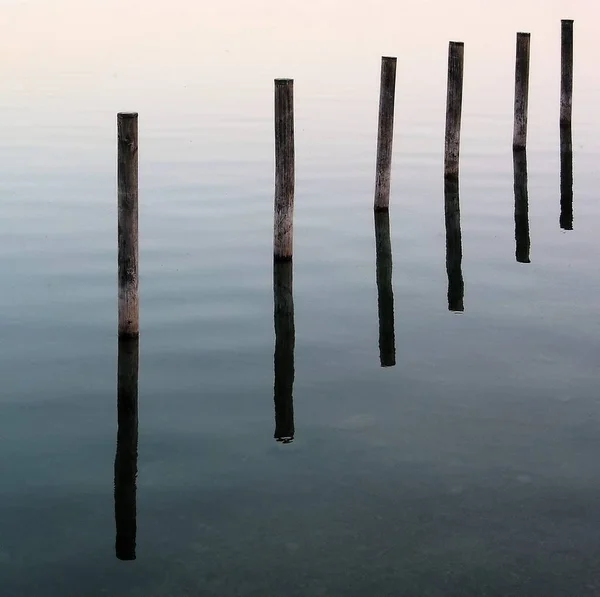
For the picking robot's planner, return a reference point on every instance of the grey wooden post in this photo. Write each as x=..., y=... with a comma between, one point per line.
x=521, y=90
x=456, y=52
x=385, y=133
x=283, y=239
x=566, y=71
x=127, y=178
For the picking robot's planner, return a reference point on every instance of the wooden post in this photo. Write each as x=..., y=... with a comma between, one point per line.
x=385, y=133
x=127, y=446
x=385, y=291
x=127, y=176
x=453, y=246
x=566, y=178
x=566, y=71
x=456, y=52
x=521, y=91
x=283, y=241
x=284, y=351
x=522, y=240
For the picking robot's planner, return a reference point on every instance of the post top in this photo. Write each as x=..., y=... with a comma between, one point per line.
x=566, y=20
x=127, y=114
x=389, y=58
x=284, y=81
x=523, y=34
x=457, y=43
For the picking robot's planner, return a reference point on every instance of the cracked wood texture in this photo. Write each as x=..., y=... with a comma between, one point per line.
x=127, y=178
x=456, y=52
x=566, y=71
x=385, y=133
x=283, y=233
x=521, y=90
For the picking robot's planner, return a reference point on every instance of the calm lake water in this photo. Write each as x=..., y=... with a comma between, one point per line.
x=469, y=468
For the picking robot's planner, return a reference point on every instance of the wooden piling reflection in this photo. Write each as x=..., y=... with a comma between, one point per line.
x=522, y=240
x=385, y=292
x=456, y=285
x=566, y=178
x=127, y=446
x=285, y=339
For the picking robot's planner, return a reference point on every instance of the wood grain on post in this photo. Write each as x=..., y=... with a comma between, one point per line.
x=521, y=90
x=453, y=245
x=285, y=338
x=566, y=71
x=283, y=241
x=566, y=178
x=456, y=52
x=385, y=291
x=385, y=133
x=127, y=177
x=522, y=239
x=127, y=448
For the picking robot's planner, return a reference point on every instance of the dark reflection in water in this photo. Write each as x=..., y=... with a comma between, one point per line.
x=127, y=446
x=385, y=292
x=285, y=338
x=522, y=239
x=456, y=287
x=566, y=178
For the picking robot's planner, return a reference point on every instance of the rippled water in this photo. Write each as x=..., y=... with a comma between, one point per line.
x=467, y=468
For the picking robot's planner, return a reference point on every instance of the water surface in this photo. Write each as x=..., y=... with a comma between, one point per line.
x=466, y=467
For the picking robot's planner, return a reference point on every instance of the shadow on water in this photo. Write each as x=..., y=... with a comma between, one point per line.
x=385, y=292
x=456, y=286
x=522, y=240
x=127, y=448
x=566, y=178
x=285, y=339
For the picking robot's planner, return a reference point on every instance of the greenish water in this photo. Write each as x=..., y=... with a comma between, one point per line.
x=468, y=468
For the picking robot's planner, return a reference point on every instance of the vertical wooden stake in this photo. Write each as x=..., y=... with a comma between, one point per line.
x=385, y=133
x=456, y=52
x=285, y=338
x=127, y=177
x=385, y=291
x=566, y=178
x=522, y=239
x=456, y=285
x=521, y=90
x=283, y=240
x=127, y=446
x=566, y=71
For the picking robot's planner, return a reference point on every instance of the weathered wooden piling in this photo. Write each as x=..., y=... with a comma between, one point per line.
x=127, y=448
x=385, y=291
x=566, y=178
x=566, y=71
x=285, y=337
x=385, y=133
x=283, y=240
x=456, y=52
x=522, y=239
x=521, y=90
x=453, y=245
x=127, y=177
